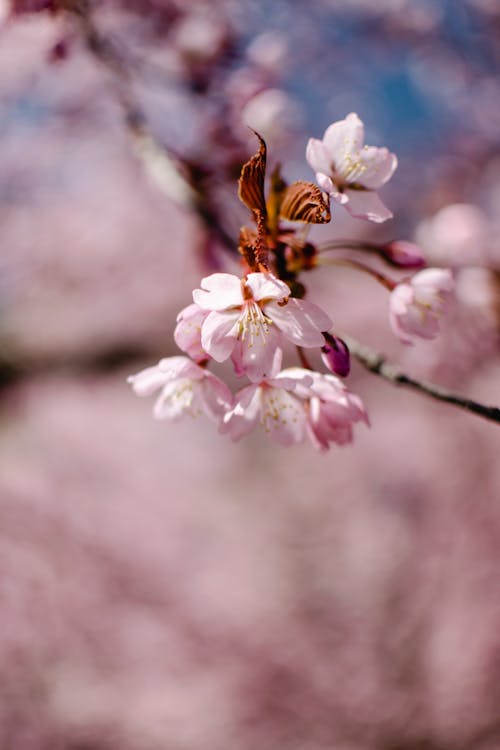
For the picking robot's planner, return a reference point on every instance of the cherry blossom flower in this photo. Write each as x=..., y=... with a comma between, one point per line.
x=417, y=303
x=249, y=317
x=187, y=334
x=350, y=172
x=274, y=404
x=331, y=409
x=297, y=404
x=186, y=388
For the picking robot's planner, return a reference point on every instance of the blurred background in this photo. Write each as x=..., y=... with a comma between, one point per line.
x=160, y=587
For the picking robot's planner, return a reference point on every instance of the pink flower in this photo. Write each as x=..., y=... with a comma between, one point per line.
x=350, y=172
x=416, y=304
x=249, y=317
x=331, y=410
x=187, y=332
x=186, y=388
x=274, y=404
x=296, y=404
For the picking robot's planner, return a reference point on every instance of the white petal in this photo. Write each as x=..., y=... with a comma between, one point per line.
x=343, y=139
x=219, y=291
x=267, y=286
x=365, y=204
x=218, y=334
x=318, y=157
x=378, y=165
x=300, y=321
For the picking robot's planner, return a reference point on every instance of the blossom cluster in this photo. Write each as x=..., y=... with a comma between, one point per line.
x=248, y=319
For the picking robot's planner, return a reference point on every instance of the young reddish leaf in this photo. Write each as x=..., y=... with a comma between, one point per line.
x=251, y=182
x=303, y=201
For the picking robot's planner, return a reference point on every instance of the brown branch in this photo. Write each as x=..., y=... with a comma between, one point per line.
x=376, y=363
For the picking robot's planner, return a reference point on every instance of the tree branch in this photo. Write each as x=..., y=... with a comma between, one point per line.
x=376, y=363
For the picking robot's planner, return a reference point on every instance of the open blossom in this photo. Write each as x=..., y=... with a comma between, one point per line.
x=275, y=405
x=349, y=171
x=294, y=405
x=331, y=410
x=249, y=317
x=186, y=388
x=416, y=304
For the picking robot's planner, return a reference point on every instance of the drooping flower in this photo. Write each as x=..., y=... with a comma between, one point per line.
x=349, y=171
x=187, y=332
x=417, y=303
x=186, y=389
x=331, y=409
x=274, y=404
x=249, y=317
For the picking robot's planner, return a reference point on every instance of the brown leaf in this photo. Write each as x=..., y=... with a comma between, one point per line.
x=303, y=201
x=251, y=182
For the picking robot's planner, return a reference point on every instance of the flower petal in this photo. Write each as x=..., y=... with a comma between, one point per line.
x=215, y=397
x=378, y=165
x=267, y=286
x=343, y=139
x=218, y=334
x=220, y=291
x=300, y=321
x=365, y=204
x=147, y=381
x=318, y=157
x=256, y=356
x=243, y=417
x=283, y=416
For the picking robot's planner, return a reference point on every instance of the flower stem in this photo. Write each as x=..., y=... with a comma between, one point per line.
x=380, y=277
x=376, y=363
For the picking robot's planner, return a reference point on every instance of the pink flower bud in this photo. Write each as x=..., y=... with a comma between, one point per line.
x=335, y=355
x=403, y=254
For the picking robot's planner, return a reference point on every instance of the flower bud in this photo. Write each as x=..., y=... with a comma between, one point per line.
x=335, y=355
x=403, y=254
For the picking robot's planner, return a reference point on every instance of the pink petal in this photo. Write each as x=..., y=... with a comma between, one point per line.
x=300, y=321
x=267, y=286
x=219, y=291
x=187, y=334
x=365, y=204
x=243, y=417
x=440, y=279
x=283, y=416
x=318, y=157
x=147, y=381
x=215, y=397
x=256, y=356
x=180, y=367
x=218, y=334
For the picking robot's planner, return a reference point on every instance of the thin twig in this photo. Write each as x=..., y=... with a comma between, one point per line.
x=376, y=363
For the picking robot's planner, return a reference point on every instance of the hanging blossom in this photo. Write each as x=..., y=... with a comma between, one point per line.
x=417, y=303
x=351, y=172
x=295, y=405
x=248, y=319
x=186, y=389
